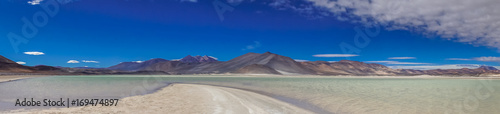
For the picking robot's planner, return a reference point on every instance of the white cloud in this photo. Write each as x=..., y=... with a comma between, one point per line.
x=458, y=59
x=402, y=58
x=255, y=44
x=138, y=61
x=213, y=57
x=300, y=60
x=34, y=2
x=474, y=22
x=335, y=55
x=484, y=59
x=34, y=53
x=396, y=62
x=488, y=59
x=73, y=61
x=21, y=63
x=86, y=61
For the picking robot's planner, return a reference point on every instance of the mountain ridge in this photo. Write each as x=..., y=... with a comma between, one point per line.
x=249, y=63
x=270, y=63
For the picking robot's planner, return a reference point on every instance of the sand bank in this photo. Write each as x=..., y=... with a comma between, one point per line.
x=188, y=99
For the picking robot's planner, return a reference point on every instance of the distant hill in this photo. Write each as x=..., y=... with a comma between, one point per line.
x=346, y=67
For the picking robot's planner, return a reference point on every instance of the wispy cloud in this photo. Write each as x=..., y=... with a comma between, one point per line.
x=21, y=63
x=469, y=21
x=396, y=62
x=402, y=58
x=73, y=61
x=255, y=44
x=300, y=60
x=86, y=61
x=458, y=59
x=34, y=2
x=138, y=61
x=335, y=55
x=484, y=59
x=213, y=57
x=34, y=53
x=488, y=59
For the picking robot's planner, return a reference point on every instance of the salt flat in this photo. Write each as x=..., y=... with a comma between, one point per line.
x=188, y=99
x=317, y=94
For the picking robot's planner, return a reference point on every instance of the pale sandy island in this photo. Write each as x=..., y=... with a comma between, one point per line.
x=188, y=99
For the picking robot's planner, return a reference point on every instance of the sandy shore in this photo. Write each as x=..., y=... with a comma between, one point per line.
x=188, y=99
x=17, y=77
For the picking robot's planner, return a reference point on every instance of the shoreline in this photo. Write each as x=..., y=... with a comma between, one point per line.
x=188, y=98
x=9, y=78
x=288, y=100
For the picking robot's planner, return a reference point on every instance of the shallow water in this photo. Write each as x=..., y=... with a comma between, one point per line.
x=333, y=94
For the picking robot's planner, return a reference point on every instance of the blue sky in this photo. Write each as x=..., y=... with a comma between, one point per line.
x=102, y=33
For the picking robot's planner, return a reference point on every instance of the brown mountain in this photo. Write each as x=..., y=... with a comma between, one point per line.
x=281, y=64
x=285, y=65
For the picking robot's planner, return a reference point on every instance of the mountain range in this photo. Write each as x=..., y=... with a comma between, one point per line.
x=250, y=63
